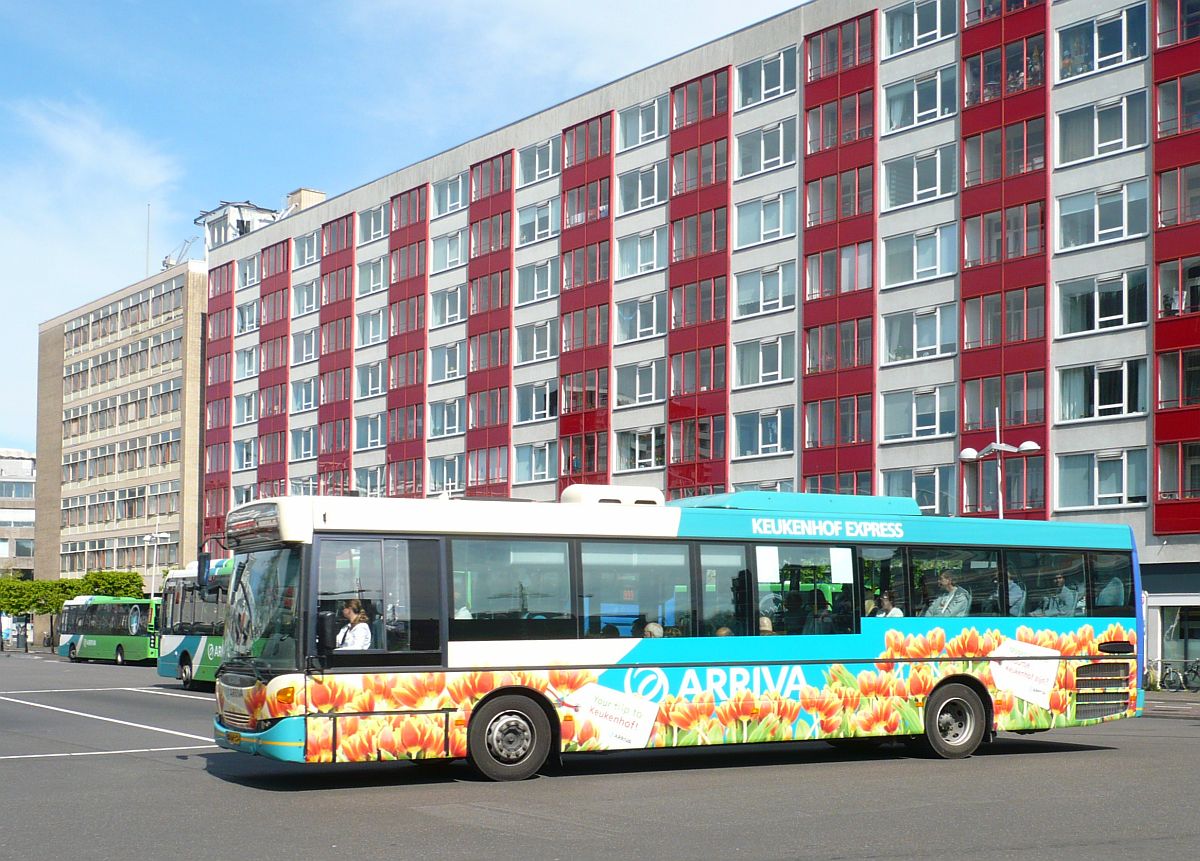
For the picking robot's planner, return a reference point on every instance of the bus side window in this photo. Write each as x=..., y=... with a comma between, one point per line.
x=881, y=569
x=1112, y=584
x=726, y=591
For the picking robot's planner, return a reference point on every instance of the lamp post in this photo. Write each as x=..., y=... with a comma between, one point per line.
x=154, y=538
x=970, y=455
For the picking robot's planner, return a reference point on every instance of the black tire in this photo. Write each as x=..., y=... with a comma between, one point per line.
x=185, y=674
x=72, y=655
x=119, y=657
x=509, y=738
x=954, y=721
x=1191, y=679
x=1170, y=678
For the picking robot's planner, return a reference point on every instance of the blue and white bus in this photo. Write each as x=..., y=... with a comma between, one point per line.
x=510, y=632
x=192, y=627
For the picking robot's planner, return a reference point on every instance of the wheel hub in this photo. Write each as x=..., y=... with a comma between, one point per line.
x=509, y=737
x=954, y=722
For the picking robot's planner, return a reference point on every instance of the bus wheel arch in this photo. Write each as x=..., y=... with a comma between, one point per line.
x=958, y=717
x=511, y=734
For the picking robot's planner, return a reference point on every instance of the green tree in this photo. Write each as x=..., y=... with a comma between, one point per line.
x=15, y=595
x=118, y=584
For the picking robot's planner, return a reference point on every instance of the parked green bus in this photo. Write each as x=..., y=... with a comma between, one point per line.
x=99, y=627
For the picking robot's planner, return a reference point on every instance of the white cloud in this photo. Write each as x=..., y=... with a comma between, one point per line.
x=72, y=228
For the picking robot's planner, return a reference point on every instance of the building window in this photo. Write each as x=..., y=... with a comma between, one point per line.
x=371, y=379
x=585, y=204
x=646, y=252
x=844, y=46
x=447, y=418
x=246, y=317
x=917, y=256
x=373, y=223
x=1178, y=21
x=406, y=315
x=767, y=78
x=1179, y=470
x=1103, y=215
x=447, y=361
x=535, y=462
x=855, y=113
x=845, y=421
x=408, y=262
x=247, y=272
x=698, y=234
x=1179, y=196
x=698, y=371
x=489, y=350
x=304, y=443
x=537, y=401
x=643, y=187
x=369, y=431
x=450, y=195
x=450, y=250
x=304, y=346
x=245, y=363
x=538, y=222
x=767, y=148
x=699, y=439
x=589, y=264
x=920, y=334
x=245, y=454
x=703, y=166
x=304, y=298
x=1102, y=302
x=584, y=390
x=1025, y=147
x=911, y=25
x=645, y=448
x=981, y=403
x=1024, y=398
x=537, y=281
x=409, y=208
x=371, y=328
x=1102, y=42
x=643, y=383
x=536, y=341
x=700, y=99
x=406, y=423
x=244, y=408
x=844, y=270
x=919, y=413
x=1105, y=478
x=447, y=306
x=1024, y=64
x=1179, y=286
x=304, y=395
x=1178, y=379
x=540, y=161
x=306, y=250
x=700, y=302
x=932, y=488
x=920, y=177
x=983, y=157
x=643, y=123
x=1024, y=314
x=981, y=77
x=587, y=140
x=769, y=432
x=771, y=360
x=641, y=318
x=1101, y=391
x=587, y=327
x=487, y=408
x=767, y=219
x=982, y=321
x=490, y=234
x=1102, y=129
x=584, y=454
x=764, y=291
x=491, y=177
x=446, y=473
x=846, y=345
x=921, y=100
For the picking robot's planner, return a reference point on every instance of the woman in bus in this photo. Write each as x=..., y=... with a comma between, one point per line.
x=887, y=604
x=356, y=634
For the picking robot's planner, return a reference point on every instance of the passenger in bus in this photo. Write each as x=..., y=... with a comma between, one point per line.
x=1059, y=603
x=610, y=630
x=1016, y=596
x=954, y=600
x=356, y=633
x=653, y=630
x=887, y=605
x=1112, y=595
x=765, y=627
x=821, y=620
x=724, y=631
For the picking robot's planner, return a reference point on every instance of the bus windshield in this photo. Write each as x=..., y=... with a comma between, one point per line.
x=263, y=608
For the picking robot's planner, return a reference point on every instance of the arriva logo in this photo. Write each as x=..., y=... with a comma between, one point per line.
x=722, y=682
x=214, y=651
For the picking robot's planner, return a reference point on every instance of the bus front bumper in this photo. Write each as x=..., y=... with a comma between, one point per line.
x=283, y=741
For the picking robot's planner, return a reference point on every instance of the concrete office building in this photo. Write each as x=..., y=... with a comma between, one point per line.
x=835, y=251
x=119, y=406
x=18, y=472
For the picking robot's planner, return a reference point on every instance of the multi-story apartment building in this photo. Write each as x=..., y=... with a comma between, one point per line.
x=842, y=251
x=119, y=415
x=18, y=473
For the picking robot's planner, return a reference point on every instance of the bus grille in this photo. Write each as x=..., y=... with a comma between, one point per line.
x=237, y=721
x=1106, y=674
x=1098, y=705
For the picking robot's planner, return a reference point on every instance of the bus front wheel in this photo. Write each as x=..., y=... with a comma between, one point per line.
x=509, y=738
x=72, y=655
x=119, y=657
x=954, y=721
x=185, y=674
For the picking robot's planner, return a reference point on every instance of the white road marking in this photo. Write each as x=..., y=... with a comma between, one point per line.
x=108, y=752
x=64, y=690
x=106, y=719
x=168, y=694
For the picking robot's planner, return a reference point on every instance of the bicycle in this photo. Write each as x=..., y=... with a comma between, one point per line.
x=1166, y=676
x=1191, y=675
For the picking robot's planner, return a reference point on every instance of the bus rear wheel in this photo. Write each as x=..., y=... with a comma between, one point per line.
x=119, y=657
x=509, y=738
x=954, y=721
x=185, y=674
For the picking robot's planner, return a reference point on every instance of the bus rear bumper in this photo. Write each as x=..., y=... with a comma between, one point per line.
x=283, y=741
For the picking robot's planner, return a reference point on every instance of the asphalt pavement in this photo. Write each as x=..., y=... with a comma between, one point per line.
x=104, y=762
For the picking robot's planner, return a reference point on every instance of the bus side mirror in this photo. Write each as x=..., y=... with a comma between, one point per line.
x=202, y=563
x=327, y=631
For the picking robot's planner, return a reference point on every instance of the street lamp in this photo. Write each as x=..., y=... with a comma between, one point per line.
x=970, y=455
x=154, y=538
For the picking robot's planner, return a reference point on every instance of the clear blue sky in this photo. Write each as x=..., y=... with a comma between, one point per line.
x=108, y=106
